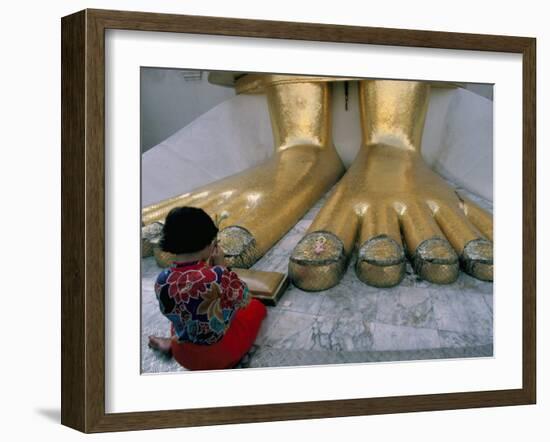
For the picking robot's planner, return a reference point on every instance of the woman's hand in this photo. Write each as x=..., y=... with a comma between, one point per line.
x=217, y=257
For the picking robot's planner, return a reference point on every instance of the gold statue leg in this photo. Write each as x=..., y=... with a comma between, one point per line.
x=259, y=205
x=390, y=204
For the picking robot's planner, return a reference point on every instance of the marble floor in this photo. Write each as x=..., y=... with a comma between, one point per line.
x=352, y=322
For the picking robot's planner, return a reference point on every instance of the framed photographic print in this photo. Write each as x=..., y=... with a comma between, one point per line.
x=268, y=221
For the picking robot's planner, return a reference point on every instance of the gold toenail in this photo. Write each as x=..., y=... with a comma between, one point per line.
x=150, y=236
x=239, y=246
x=434, y=260
x=477, y=259
x=381, y=262
x=317, y=262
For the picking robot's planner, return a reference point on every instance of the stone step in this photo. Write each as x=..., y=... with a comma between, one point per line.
x=275, y=357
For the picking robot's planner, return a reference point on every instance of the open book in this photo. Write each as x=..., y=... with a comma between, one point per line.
x=267, y=287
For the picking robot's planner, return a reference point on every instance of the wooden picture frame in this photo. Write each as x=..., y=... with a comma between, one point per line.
x=83, y=220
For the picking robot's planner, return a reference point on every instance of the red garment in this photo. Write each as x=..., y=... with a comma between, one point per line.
x=227, y=352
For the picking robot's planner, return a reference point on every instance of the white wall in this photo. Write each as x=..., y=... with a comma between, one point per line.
x=169, y=101
x=30, y=183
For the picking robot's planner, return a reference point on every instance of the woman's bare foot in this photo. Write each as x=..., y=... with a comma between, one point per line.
x=164, y=345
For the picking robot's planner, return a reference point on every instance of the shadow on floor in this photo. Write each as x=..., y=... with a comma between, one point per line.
x=51, y=414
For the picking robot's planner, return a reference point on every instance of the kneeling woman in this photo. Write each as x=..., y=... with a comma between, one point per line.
x=214, y=320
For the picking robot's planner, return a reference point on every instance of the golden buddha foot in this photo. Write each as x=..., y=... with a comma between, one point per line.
x=258, y=206
x=392, y=205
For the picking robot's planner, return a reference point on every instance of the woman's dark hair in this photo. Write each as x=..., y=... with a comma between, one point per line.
x=187, y=230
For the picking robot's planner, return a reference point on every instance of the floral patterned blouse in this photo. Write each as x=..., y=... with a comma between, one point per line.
x=200, y=300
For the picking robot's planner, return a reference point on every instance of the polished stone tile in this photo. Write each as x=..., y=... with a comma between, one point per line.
x=466, y=282
x=292, y=331
x=463, y=312
x=394, y=337
x=489, y=301
x=153, y=361
x=344, y=333
x=454, y=339
x=268, y=327
x=276, y=258
x=296, y=300
x=272, y=263
x=299, y=331
x=287, y=243
x=406, y=306
x=343, y=301
x=149, y=269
